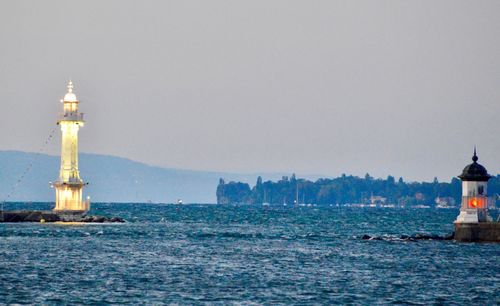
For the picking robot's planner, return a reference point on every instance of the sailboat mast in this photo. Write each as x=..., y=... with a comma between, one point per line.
x=296, y=194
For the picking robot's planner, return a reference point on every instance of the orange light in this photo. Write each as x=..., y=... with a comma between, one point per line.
x=477, y=203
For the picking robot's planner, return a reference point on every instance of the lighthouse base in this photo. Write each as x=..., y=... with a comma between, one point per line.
x=477, y=232
x=69, y=197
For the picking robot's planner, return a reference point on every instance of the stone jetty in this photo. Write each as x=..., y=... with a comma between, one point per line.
x=52, y=216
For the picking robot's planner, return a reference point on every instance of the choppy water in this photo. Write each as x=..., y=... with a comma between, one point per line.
x=197, y=254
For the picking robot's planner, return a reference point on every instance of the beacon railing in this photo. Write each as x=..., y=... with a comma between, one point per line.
x=71, y=116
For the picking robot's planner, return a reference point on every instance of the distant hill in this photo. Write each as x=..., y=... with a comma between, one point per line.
x=113, y=179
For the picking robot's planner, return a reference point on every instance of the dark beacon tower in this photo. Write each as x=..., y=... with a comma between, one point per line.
x=474, y=222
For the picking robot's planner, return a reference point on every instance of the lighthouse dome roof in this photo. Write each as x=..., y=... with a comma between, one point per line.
x=70, y=97
x=475, y=171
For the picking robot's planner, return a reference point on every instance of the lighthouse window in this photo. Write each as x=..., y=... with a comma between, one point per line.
x=480, y=190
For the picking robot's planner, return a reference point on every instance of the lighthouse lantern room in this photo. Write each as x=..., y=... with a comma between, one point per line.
x=474, y=208
x=69, y=186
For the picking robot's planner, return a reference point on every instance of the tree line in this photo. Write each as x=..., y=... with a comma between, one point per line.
x=343, y=190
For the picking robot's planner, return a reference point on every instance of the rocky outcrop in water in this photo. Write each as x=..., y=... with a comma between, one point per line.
x=51, y=216
x=100, y=219
x=415, y=237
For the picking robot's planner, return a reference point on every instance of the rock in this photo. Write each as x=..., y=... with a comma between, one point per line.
x=98, y=219
x=450, y=236
x=116, y=220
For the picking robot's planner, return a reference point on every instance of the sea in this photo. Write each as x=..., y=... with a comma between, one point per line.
x=250, y=255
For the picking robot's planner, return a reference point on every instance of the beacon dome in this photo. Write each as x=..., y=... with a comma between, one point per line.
x=70, y=97
x=474, y=171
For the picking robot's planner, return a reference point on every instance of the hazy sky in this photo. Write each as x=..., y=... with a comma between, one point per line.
x=313, y=87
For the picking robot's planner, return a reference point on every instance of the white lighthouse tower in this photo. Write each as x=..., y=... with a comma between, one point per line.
x=474, y=208
x=69, y=185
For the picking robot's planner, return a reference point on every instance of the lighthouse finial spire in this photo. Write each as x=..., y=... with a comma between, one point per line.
x=70, y=86
x=475, y=158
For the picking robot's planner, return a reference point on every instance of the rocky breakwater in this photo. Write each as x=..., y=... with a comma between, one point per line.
x=415, y=237
x=51, y=216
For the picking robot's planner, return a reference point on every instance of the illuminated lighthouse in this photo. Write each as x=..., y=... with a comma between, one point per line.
x=474, y=222
x=474, y=207
x=69, y=186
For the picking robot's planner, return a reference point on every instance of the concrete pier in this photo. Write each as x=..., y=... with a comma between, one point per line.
x=477, y=232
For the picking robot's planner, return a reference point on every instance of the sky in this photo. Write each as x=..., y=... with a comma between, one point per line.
x=405, y=88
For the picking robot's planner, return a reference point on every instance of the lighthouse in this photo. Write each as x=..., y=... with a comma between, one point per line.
x=474, y=206
x=474, y=222
x=69, y=185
